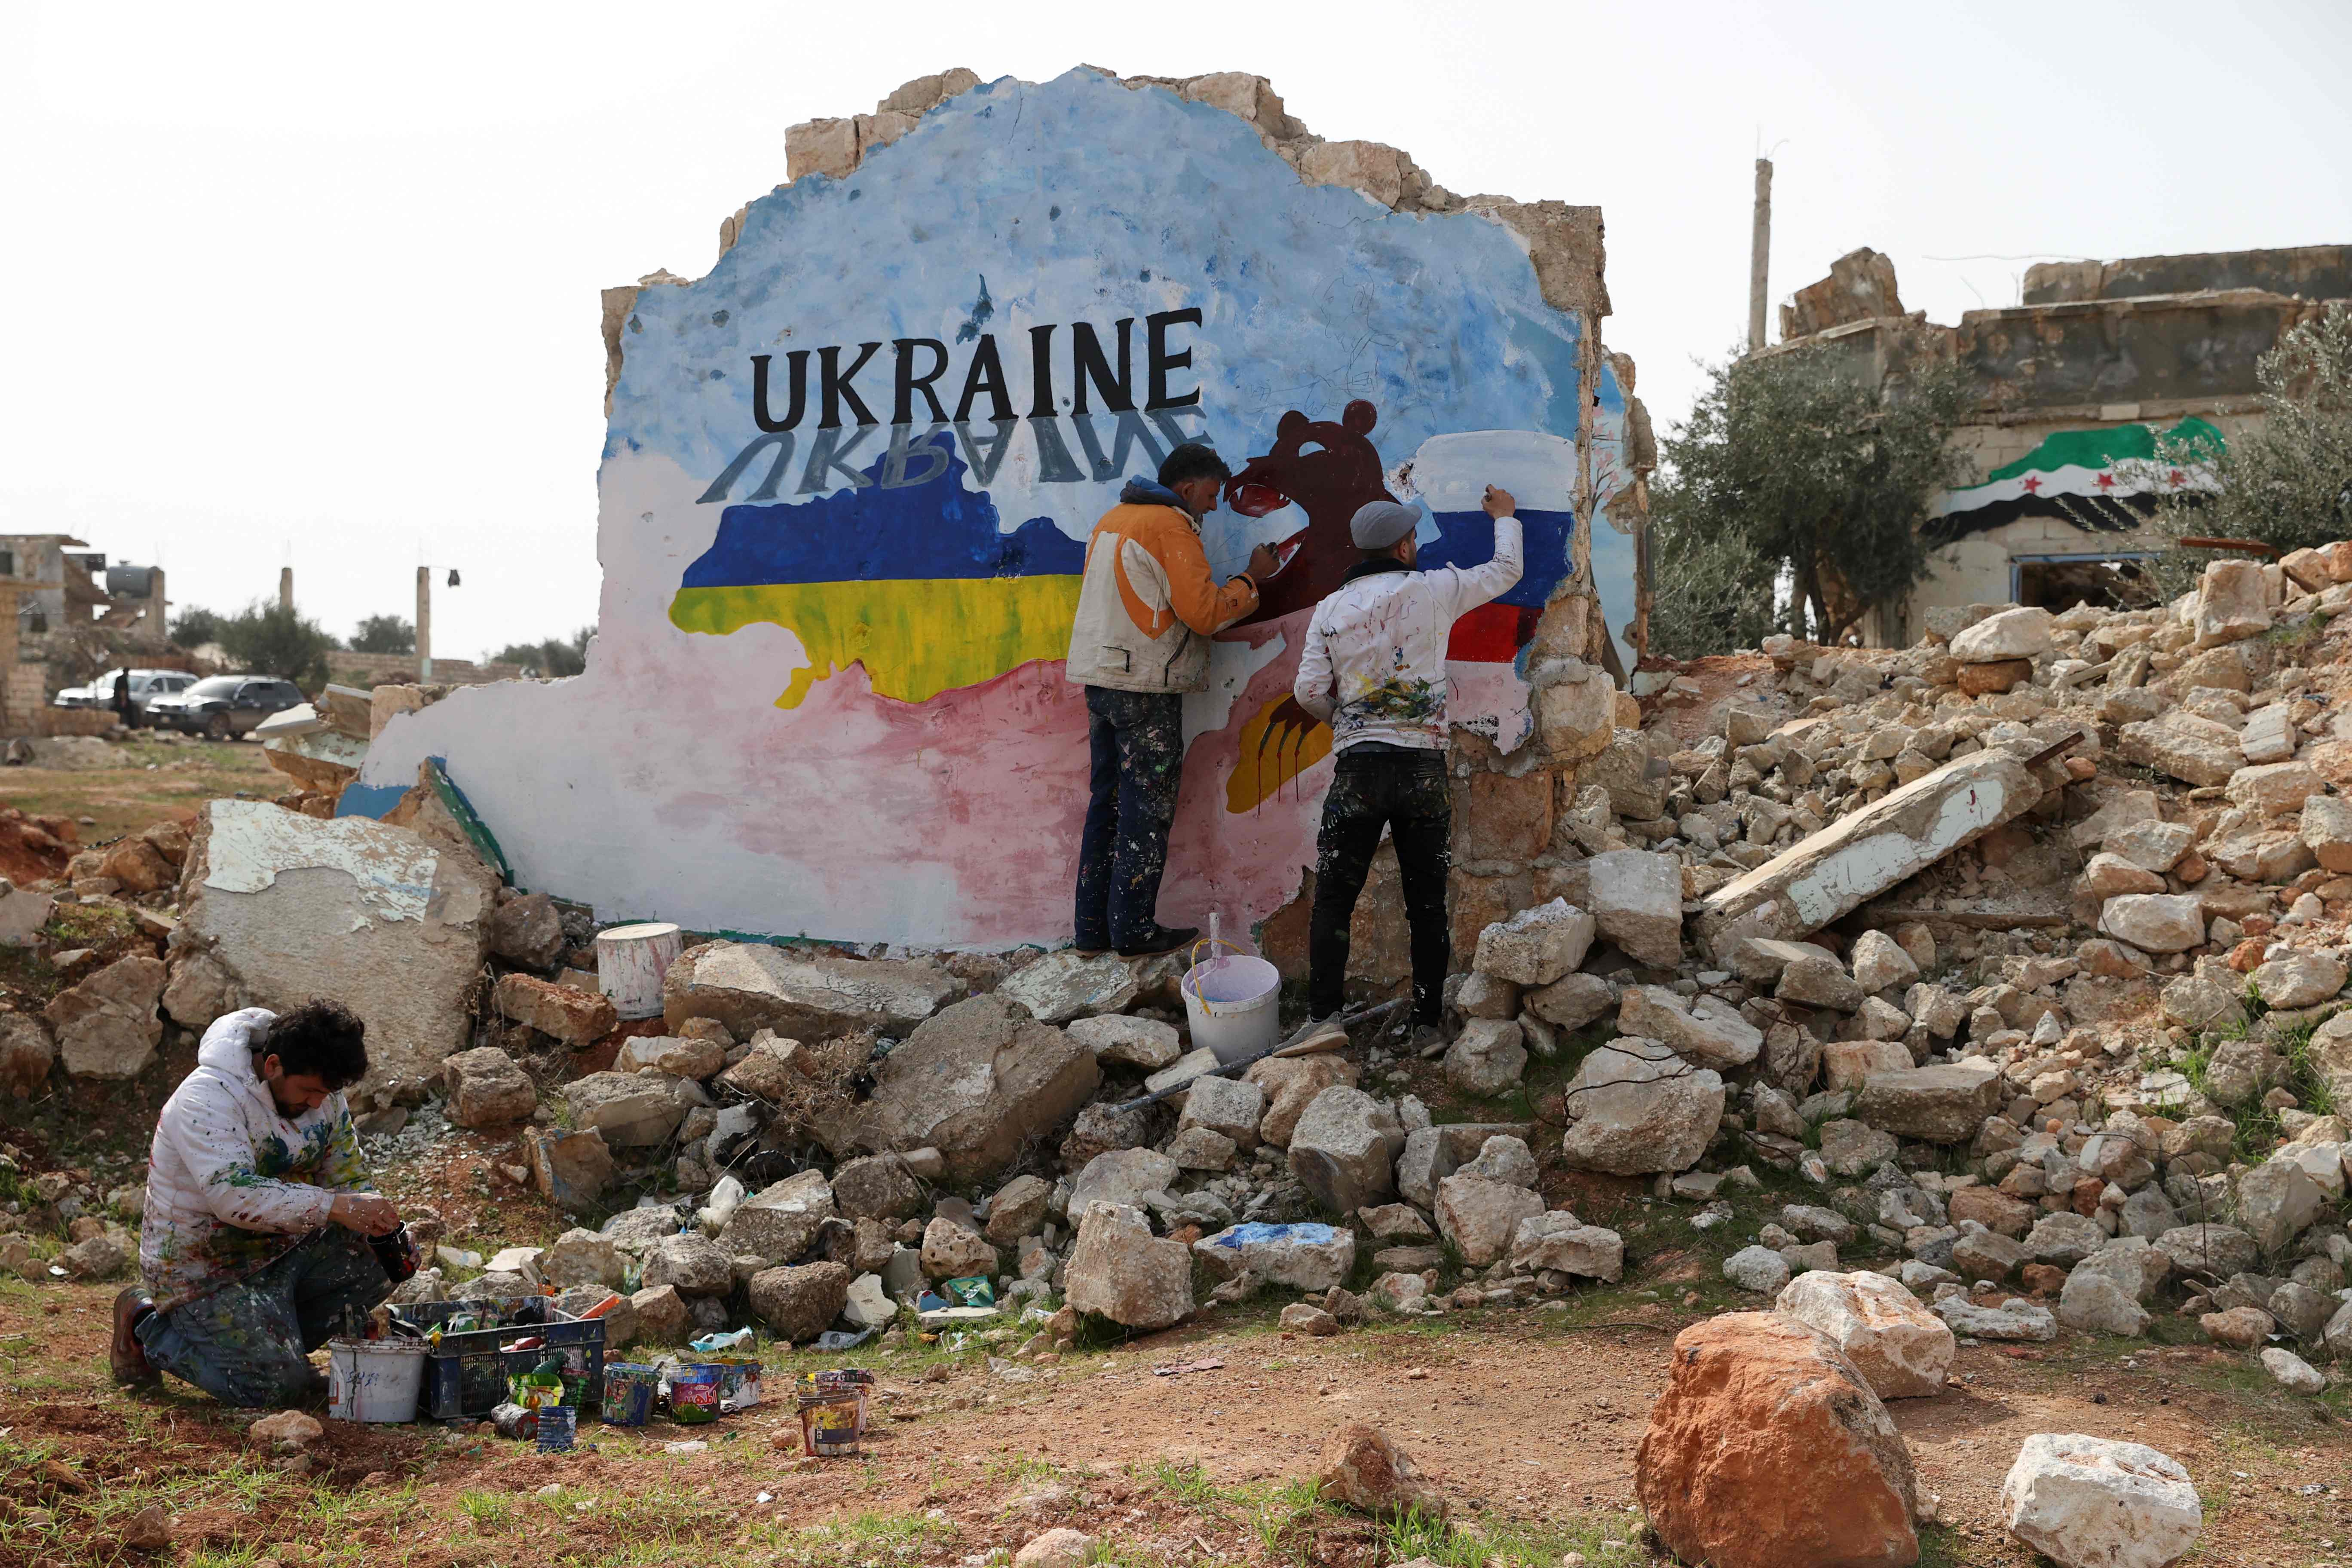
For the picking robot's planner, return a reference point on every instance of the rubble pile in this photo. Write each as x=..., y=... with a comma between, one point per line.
x=2015, y=955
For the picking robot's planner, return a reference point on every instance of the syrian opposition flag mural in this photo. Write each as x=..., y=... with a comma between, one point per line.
x=2105, y=480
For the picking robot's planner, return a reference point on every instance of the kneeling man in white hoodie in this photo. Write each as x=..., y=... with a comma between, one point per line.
x=257, y=1242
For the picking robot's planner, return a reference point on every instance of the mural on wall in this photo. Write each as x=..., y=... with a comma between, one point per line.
x=850, y=474
x=2102, y=480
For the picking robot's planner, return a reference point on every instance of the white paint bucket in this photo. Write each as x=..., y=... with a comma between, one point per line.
x=1233, y=1004
x=630, y=962
x=373, y=1380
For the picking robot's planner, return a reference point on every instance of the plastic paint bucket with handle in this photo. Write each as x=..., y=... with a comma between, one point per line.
x=1232, y=1003
x=374, y=1380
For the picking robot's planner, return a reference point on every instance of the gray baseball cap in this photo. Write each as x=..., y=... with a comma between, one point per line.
x=1380, y=524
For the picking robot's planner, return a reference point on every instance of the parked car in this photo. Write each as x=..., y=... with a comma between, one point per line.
x=146, y=684
x=225, y=705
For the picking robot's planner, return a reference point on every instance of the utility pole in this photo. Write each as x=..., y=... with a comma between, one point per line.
x=285, y=587
x=424, y=622
x=1760, y=254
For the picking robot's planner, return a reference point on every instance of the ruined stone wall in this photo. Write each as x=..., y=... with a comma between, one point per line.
x=851, y=471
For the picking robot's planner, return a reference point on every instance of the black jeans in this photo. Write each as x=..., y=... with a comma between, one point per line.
x=1136, y=741
x=1404, y=790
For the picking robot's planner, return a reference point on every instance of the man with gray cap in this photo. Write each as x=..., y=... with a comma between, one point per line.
x=1373, y=668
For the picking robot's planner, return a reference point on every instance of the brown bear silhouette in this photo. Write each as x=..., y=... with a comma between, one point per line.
x=1329, y=469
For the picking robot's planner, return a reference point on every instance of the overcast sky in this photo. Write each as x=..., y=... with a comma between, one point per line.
x=318, y=285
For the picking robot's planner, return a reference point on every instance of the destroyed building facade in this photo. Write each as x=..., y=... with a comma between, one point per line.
x=2080, y=384
x=851, y=472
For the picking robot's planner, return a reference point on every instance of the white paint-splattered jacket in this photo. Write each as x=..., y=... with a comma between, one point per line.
x=1373, y=666
x=232, y=1184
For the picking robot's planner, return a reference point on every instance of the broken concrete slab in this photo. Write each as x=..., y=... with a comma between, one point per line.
x=1636, y=901
x=389, y=925
x=1858, y=856
x=975, y=1082
x=2193, y=749
x=799, y=993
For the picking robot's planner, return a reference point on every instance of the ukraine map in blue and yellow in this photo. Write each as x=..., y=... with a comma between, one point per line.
x=917, y=582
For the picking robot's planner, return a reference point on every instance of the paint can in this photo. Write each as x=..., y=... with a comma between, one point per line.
x=1233, y=1004
x=374, y=1380
x=629, y=1393
x=558, y=1425
x=831, y=1421
x=738, y=1382
x=694, y=1395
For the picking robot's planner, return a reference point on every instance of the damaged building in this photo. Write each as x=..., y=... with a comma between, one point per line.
x=66, y=613
x=2102, y=367
x=844, y=508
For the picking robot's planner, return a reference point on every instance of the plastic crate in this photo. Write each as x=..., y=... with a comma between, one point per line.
x=466, y=1377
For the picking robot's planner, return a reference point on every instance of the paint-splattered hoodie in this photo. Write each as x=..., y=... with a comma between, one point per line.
x=231, y=1183
x=1373, y=663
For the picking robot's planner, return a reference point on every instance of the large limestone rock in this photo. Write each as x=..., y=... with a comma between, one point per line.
x=1118, y=1269
x=798, y=1304
x=631, y=1110
x=574, y=1017
x=1482, y=1218
x=1822, y=876
x=2327, y=830
x=1344, y=1151
x=1127, y=1041
x=1062, y=986
x=106, y=1027
x=2193, y=749
x=2021, y=633
x=952, y=1251
x=781, y=1221
x=1636, y=901
x=570, y=1170
x=1555, y=1240
x=1902, y=1350
x=488, y=1089
x=1291, y=1084
x=694, y=1263
x=529, y=930
x=2234, y=603
x=1707, y=1030
x=1819, y=1474
x=388, y=923
x=2216, y=1251
x=1124, y=1177
x=1635, y=1106
x=878, y=1186
x=2093, y=1502
x=1536, y=946
x=1486, y=1058
x=1311, y=1257
x=801, y=996
x=2156, y=922
x=975, y=1083
x=1945, y=1103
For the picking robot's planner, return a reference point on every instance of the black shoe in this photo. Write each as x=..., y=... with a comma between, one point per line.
x=126, y=1357
x=1159, y=939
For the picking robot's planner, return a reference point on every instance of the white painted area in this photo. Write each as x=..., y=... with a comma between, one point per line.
x=1451, y=473
x=253, y=840
x=1855, y=871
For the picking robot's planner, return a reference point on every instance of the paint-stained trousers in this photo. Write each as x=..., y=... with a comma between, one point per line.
x=1404, y=789
x=248, y=1343
x=1137, y=742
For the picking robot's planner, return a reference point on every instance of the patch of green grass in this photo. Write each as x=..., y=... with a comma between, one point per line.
x=492, y=1513
x=861, y=1539
x=1188, y=1484
x=1490, y=1541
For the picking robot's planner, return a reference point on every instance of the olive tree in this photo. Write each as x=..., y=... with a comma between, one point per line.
x=1795, y=494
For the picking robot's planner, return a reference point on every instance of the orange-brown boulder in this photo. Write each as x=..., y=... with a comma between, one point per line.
x=1768, y=1450
x=1364, y=1470
x=1997, y=675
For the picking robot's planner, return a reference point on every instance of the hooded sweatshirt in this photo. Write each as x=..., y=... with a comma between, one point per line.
x=232, y=1185
x=1148, y=603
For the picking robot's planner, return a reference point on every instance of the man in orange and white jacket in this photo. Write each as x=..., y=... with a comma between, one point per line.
x=1148, y=605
